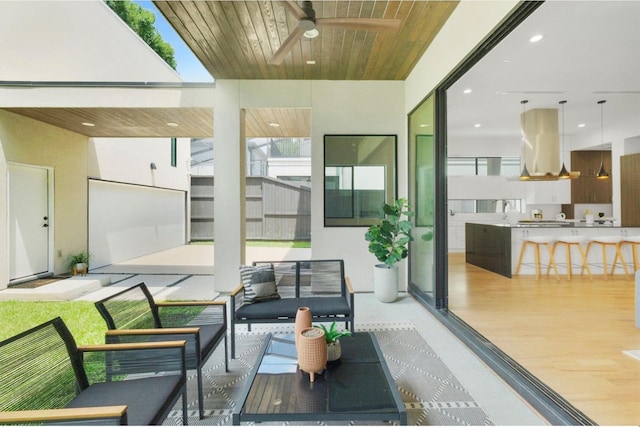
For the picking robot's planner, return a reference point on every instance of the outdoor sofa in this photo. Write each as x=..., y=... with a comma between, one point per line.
x=272, y=292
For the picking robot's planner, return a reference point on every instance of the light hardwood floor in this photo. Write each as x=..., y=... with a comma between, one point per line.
x=569, y=334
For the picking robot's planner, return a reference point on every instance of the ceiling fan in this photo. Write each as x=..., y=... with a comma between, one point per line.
x=308, y=26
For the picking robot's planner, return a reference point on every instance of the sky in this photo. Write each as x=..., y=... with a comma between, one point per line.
x=189, y=67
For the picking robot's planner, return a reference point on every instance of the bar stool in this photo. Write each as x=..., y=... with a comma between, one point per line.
x=634, y=241
x=536, y=241
x=568, y=242
x=605, y=241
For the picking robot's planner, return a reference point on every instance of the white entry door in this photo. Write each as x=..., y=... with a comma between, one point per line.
x=29, y=231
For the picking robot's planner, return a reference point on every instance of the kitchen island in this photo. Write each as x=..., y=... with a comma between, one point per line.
x=496, y=247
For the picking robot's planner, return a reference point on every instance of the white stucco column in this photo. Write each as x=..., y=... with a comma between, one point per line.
x=229, y=189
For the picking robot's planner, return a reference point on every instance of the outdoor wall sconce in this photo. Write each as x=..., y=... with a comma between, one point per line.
x=153, y=166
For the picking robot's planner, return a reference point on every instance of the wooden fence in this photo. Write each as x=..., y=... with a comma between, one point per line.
x=275, y=210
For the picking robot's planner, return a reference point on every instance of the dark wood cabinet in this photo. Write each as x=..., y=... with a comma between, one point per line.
x=587, y=188
x=630, y=190
x=488, y=247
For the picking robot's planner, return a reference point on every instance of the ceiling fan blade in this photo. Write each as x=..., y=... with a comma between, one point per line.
x=365, y=24
x=294, y=9
x=286, y=46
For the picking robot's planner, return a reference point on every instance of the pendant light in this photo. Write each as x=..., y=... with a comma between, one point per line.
x=524, y=175
x=602, y=173
x=564, y=173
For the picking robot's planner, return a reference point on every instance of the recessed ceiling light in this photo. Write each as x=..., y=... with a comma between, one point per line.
x=581, y=125
x=467, y=91
x=274, y=124
x=312, y=33
x=505, y=61
x=477, y=125
x=173, y=125
x=536, y=38
x=88, y=124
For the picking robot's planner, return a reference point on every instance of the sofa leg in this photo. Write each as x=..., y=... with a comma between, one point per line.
x=233, y=340
x=226, y=354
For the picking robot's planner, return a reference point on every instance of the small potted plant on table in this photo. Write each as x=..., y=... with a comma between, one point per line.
x=332, y=336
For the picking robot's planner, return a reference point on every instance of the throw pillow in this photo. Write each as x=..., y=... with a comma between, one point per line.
x=259, y=283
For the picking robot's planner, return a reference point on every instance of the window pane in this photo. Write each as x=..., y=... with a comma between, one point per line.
x=360, y=177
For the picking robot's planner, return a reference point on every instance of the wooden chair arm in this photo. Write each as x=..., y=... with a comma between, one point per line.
x=237, y=290
x=59, y=415
x=159, y=331
x=349, y=287
x=189, y=303
x=132, y=346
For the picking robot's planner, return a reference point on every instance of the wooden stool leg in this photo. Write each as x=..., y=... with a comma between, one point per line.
x=634, y=254
x=604, y=260
x=522, y=249
x=552, y=261
x=553, y=253
x=569, y=263
x=621, y=257
x=537, y=261
x=586, y=254
x=585, y=264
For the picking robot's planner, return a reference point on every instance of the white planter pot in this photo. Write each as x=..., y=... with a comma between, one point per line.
x=385, y=282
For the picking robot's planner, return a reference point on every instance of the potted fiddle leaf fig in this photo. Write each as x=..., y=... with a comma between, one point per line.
x=389, y=242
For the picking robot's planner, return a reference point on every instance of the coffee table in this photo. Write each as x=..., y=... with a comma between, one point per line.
x=357, y=387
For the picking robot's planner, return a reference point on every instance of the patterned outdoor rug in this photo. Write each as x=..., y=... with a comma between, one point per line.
x=432, y=394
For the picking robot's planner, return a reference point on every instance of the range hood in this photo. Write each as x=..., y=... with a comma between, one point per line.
x=542, y=145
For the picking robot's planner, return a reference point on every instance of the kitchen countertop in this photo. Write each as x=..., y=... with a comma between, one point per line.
x=609, y=223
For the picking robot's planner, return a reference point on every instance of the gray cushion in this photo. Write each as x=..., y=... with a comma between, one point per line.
x=148, y=399
x=287, y=307
x=259, y=283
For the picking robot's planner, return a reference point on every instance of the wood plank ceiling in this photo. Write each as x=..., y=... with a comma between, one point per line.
x=235, y=39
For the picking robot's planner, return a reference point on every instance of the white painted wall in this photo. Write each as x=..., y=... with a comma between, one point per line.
x=337, y=107
x=73, y=41
x=28, y=141
x=127, y=221
x=129, y=160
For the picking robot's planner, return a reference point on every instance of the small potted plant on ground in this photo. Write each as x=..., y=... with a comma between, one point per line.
x=79, y=263
x=332, y=336
x=388, y=241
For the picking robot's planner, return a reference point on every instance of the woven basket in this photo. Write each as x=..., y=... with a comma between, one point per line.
x=312, y=351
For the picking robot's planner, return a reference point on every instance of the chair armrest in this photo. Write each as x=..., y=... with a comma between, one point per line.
x=237, y=290
x=349, y=287
x=67, y=414
x=159, y=331
x=189, y=303
x=131, y=346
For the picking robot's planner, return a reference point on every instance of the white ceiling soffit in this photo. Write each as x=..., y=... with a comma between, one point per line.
x=590, y=51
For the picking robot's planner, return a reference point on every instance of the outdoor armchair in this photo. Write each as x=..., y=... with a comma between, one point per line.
x=133, y=315
x=46, y=378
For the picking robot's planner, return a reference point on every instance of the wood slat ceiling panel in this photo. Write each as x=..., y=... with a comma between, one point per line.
x=235, y=39
x=127, y=122
x=294, y=123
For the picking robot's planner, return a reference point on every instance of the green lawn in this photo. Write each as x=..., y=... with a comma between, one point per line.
x=81, y=317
